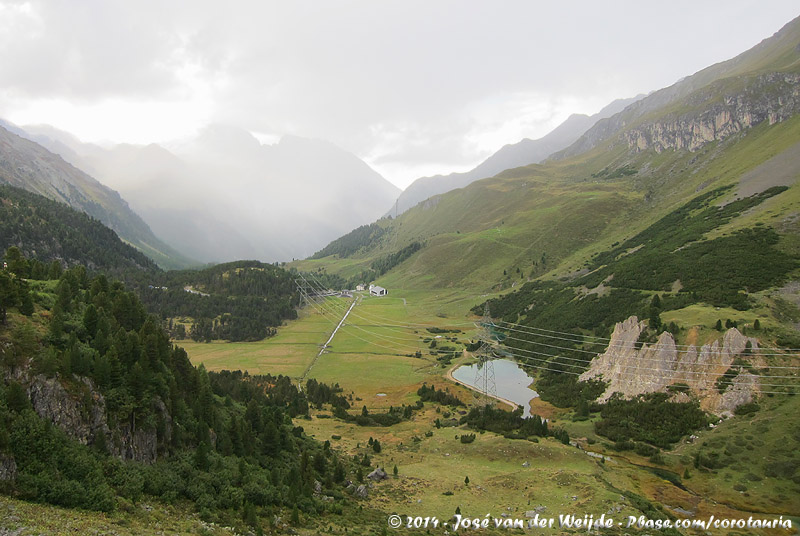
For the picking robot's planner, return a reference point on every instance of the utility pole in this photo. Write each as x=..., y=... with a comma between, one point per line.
x=484, y=374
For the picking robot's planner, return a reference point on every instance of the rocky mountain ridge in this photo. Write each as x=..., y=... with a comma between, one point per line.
x=632, y=369
x=27, y=165
x=772, y=98
x=758, y=85
x=522, y=153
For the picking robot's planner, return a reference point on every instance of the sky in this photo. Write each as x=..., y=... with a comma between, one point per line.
x=412, y=87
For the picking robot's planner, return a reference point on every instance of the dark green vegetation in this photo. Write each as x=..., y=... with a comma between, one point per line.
x=650, y=418
x=237, y=301
x=390, y=417
x=353, y=241
x=26, y=164
x=440, y=396
x=717, y=272
x=511, y=424
x=384, y=264
x=125, y=395
x=49, y=230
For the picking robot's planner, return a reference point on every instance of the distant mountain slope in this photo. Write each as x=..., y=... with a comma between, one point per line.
x=733, y=95
x=28, y=165
x=522, y=153
x=223, y=195
x=48, y=230
x=550, y=219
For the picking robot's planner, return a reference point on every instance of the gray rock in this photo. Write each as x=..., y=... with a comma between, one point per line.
x=8, y=468
x=537, y=510
x=377, y=475
x=632, y=371
x=361, y=492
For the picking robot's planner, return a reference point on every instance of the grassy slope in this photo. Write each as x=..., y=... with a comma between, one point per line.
x=559, y=209
x=505, y=223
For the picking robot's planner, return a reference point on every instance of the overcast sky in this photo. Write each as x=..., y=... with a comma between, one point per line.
x=412, y=87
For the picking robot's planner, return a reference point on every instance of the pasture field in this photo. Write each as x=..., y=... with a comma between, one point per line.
x=288, y=353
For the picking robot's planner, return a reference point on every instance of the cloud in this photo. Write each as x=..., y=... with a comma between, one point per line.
x=393, y=81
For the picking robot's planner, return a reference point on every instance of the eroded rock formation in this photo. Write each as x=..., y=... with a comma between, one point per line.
x=632, y=369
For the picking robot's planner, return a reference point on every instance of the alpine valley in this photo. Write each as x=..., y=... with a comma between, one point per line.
x=639, y=267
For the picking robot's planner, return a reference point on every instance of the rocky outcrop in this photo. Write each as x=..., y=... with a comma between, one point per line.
x=770, y=98
x=134, y=442
x=8, y=468
x=378, y=474
x=81, y=414
x=78, y=420
x=632, y=369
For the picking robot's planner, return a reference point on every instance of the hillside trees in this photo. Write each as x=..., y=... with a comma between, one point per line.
x=222, y=440
x=239, y=301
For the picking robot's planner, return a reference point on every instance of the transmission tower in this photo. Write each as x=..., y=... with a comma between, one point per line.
x=484, y=374
x=308, y=294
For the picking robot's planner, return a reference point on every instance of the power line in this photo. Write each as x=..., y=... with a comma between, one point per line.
x=628, y=347
x=582, y=338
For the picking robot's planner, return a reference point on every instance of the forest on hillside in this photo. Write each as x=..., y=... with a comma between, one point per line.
x=154, y=424
x=237, y=301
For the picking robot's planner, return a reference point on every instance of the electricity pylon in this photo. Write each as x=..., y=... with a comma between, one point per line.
x=484, y=374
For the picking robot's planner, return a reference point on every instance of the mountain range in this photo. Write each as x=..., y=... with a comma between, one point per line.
x=28, y=165
x=223, y=195
x=510, y=156
x=733, y=125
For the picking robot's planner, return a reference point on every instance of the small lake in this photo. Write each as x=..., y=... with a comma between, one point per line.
x=511, y=380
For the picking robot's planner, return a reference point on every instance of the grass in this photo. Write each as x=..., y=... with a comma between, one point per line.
x=289, y=352
x=432, y=471
x=752, y=444
x=23, y=518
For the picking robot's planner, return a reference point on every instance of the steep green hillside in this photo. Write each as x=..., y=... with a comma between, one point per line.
x=52, y=231
x=30, y=166
x=733, y=122
x=98, y=411
x=550, y=220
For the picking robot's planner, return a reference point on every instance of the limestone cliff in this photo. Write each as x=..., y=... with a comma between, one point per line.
x=759, y=85
x=632, y=370
x=718, y=112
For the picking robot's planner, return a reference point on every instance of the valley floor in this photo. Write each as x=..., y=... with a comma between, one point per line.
x=383, y=354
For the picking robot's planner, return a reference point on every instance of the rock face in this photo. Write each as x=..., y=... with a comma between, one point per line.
x=772, y=98
x=631, y=371
x=8, y=468
x=378, y=474
x=52, y=402
x=83, y=417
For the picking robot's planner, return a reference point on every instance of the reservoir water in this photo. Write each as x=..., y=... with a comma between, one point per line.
x=510, y=379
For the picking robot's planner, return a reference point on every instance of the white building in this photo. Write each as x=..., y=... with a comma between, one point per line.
x=375, y=290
